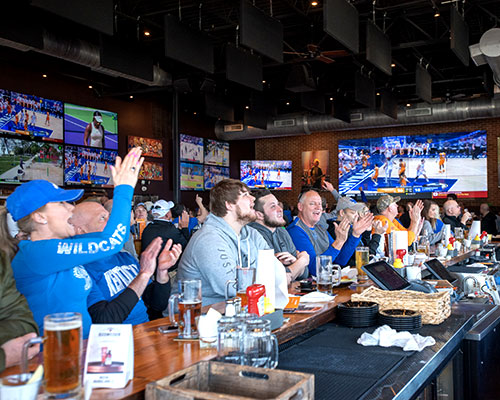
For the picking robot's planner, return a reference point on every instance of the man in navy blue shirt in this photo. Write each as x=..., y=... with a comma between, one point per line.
x=119, y=283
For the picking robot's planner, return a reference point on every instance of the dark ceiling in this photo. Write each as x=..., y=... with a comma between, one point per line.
x=417, y=35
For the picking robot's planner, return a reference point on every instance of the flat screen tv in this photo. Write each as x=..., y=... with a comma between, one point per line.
x=427, y=166
x=213, y=175
x=88, y=166
x=84, y=126
x=191, y=176
x=33, y=116
x=266, y=174
x=191, y=148
x=216, y=153
x=25, y=160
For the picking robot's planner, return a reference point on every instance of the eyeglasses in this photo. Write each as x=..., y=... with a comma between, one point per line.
x=158, y=208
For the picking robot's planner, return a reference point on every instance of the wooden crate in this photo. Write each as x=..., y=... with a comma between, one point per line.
x=210, y=380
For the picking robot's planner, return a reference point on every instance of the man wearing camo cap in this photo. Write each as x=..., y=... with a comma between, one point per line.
x=388, y=209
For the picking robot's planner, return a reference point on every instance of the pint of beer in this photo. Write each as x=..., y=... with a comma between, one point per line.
x=362, y=258
x=188, y=302
x=61, y=354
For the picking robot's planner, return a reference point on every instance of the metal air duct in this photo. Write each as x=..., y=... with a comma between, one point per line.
x=87, y=54
x=488, y=51
x=419, y=114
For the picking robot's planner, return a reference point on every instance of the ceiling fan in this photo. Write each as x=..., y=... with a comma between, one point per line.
x=314, y=53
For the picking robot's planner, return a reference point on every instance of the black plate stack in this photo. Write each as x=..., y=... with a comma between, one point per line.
x=401, y=320
x=357, y=314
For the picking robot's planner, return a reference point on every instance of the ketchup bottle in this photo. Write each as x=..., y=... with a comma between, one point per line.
x=255, y=296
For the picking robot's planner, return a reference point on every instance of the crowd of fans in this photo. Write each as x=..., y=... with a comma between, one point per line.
x=58, y=257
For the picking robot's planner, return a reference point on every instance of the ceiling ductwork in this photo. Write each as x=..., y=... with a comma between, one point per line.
x=419, y=114
x=87, y=54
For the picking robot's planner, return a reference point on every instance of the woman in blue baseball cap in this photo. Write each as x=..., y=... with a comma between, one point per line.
x=48, y=267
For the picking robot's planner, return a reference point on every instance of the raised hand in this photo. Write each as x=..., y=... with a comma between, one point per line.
x=126, y=171
x=184, y=220
x=328, y=186
x=362, y=224
x=148, y=257
x=378, y=228
x=169, y=256
x=342, y=231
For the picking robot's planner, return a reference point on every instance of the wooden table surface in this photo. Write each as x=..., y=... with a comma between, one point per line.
x=157, y=355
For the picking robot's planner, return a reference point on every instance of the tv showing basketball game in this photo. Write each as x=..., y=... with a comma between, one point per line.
x=191, y=148
x=152, y=171
x=33, y=116
x=27, y=160
x=428, y=166
x=216, y=153
x=267, y=174
x=214, y=175
x=191, y=176
x=87, y=166
x=150, y=147
x=84, y=126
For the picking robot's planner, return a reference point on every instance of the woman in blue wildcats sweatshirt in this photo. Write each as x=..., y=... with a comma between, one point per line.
x=48, y=267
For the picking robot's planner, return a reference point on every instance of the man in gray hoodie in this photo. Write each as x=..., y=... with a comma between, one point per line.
x=224, y=242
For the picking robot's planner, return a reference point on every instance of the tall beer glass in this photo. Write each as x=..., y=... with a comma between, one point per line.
x=189, y=303
x=362, y=258
x=62, y=353
x=244, y=278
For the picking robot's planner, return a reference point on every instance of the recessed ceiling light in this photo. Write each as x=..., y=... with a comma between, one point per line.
x=393, y=65
x=131, y=96
x=287, y=103
x=378, y=94
x=408, y=105
x=194, y=113
x=436, y=14
x=331, y=98
x=314, y=3
x=44, y=76
x=147, y=33
x=247, y=107
x=90, y=86
x=263, y=81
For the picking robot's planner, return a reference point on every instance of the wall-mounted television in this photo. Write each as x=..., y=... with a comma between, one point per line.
x=88, y=166
x=216, y=153
x=213, y=175
x=266, y=174
x=427, y=166
x=84, y=126
x=26, y=160
x=191, y=148
x=191, y=176
x=33, y=116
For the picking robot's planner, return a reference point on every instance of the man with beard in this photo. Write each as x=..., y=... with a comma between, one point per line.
x=308, y=235
x=223, y=242
x=270, y=224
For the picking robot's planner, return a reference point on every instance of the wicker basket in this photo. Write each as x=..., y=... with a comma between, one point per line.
x=434, y=307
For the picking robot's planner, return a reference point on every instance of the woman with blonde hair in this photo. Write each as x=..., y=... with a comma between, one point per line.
x=48, y=267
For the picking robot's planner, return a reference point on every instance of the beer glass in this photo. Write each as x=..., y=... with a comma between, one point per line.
x=62, y=353
x=325, y=276
x=188, y=300
x=260, y=346
x=244, y=278
x=362, y=258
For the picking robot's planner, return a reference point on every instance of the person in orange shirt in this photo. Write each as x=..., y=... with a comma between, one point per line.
x=402, y=175
x=442, y=159
x=388, y=210
x=374, y=177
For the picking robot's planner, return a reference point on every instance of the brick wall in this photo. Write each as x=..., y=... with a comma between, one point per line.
x=291, y=148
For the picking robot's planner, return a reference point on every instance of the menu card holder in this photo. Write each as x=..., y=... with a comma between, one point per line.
x=110, y=356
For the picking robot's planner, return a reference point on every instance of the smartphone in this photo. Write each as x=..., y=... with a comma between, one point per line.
x=167, y=328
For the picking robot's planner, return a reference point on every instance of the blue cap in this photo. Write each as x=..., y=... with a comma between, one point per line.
x=30, y=196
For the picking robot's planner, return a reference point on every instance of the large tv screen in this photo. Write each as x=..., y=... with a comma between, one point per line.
x=268, y=174
x=28, y=115
x=26, y=160
x=87, y=166
x=216, y=153
x=191, y=148
x=84, y=126
x=429, y=166
x=191, y=176
x=214, y=175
